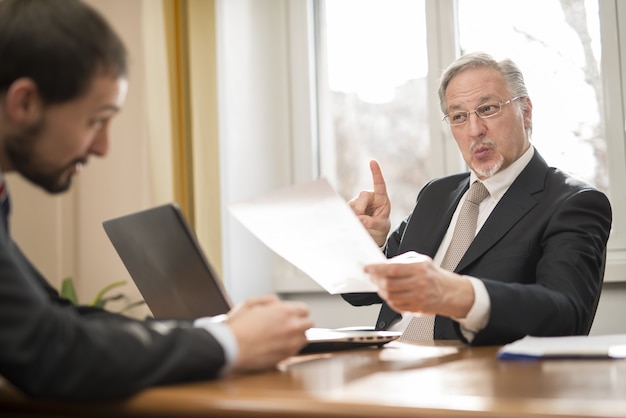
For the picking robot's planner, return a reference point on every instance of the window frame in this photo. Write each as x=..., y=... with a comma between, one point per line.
x=612, y=18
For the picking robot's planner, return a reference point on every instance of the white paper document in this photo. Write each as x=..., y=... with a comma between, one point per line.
x=605, y=346
x=314, y=229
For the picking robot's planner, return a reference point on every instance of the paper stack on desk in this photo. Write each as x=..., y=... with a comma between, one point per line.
x=314, y=229
x=579, y=346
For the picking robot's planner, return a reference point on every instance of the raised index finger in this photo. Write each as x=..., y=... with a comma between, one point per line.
x=380, y=188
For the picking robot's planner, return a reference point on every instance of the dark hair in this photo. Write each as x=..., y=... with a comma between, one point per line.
x=60, y=44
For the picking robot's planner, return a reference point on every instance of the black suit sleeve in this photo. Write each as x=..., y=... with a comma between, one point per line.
x=52, y=349
x=555, y=278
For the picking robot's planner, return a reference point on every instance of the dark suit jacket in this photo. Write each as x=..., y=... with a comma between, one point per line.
x=49, y=348
x=540, y=253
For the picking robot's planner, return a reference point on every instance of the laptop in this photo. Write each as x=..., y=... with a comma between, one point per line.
x=175, y=278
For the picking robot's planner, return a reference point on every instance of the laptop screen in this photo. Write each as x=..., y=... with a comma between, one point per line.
x=162, y=255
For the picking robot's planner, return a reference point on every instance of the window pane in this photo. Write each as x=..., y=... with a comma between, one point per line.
x=556, y=43
x=372, y=68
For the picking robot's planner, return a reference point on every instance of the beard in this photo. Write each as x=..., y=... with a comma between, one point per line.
x=486, y=172
x=20, y=150
x=491, y=169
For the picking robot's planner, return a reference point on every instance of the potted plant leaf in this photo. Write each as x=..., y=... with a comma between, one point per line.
x=101, y=299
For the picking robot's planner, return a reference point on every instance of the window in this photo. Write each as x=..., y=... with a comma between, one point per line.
x=372, y=90
x=377, y=81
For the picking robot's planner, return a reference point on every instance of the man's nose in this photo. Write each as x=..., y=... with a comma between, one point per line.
x=475, y=124
x=100, y=145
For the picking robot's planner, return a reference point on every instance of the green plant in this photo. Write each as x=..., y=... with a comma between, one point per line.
x=100, y=300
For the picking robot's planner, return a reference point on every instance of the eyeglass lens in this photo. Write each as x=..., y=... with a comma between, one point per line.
x=483, y=111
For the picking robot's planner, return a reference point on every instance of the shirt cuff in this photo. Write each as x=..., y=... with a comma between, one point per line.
x=216, y=326
x=478, y=315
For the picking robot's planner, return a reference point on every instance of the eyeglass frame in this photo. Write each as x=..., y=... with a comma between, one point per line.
x=446, y=117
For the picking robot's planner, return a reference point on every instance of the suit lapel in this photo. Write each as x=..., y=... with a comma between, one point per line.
x=516, y=202
x=428, y=235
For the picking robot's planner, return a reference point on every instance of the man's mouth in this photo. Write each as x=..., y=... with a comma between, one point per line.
x=481, y=151
x=78, y=165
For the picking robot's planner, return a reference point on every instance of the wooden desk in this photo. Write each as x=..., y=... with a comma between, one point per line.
x=388, y=383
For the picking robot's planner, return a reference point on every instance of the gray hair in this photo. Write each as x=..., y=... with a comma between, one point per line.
x=508, y=69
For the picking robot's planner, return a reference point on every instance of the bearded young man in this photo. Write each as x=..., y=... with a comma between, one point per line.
x=62, y=80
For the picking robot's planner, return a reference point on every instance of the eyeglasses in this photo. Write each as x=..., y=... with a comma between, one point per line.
x=484, y=111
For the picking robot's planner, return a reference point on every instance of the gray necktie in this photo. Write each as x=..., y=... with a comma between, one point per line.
x=421, y=326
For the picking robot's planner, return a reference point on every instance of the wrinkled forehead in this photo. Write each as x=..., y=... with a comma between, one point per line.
x=475, y=86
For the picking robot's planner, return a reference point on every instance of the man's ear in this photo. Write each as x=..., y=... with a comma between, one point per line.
x=22, y=102
x=528, y=113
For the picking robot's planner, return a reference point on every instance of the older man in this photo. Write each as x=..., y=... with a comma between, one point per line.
x=531, y=258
